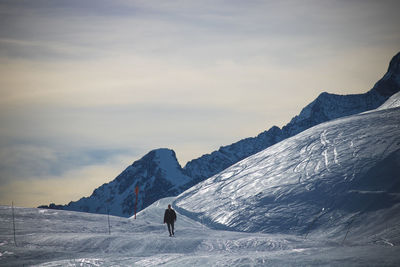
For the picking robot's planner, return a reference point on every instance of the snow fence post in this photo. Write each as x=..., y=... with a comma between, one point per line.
x=13, y=220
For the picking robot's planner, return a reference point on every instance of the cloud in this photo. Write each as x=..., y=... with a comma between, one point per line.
x=21, y=161
x=25, y=161
x=71, y=185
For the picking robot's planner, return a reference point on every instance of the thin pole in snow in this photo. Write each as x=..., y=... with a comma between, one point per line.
x=108, y=219
x=348, y=229
x=13, y=218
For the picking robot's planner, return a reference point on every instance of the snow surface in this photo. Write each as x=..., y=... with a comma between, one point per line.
x=66, y=238
x=392, y=102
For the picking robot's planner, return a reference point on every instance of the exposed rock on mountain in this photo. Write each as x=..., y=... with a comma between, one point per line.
x=158, y=174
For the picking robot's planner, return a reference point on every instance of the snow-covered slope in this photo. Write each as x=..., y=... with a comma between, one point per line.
x=392, y=102
x=49, y=238
x=158, y=175
x=324, y=108
x=340, y=174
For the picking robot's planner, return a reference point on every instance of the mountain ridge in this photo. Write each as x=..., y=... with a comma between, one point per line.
x=324, y=108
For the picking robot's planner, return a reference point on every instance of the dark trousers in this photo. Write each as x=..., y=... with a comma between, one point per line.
x=170, y=228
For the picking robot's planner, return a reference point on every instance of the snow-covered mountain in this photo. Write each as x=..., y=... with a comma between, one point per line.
x=324, y=108
x=335, y=177
x=158, y=174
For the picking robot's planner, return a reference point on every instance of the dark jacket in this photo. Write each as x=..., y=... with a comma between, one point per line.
x=169, y=216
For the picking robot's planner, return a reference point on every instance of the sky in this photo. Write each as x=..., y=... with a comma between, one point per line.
x=88, y=87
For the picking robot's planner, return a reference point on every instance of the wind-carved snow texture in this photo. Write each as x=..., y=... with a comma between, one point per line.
x=330, y=178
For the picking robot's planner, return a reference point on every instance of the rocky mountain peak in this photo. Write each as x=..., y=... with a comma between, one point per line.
x=390, y=83
x=394, y=65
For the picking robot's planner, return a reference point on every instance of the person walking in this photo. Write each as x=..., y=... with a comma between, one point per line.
x=169, y=219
